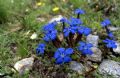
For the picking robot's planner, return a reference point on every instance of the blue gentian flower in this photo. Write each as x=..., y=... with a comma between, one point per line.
x=49, y=26
x=62, y=55
x=85, y=48
x=84, y=30
x=40, y=49
x=64, y=20
x=51, y=35
x=106, y=22
x=69, y=30
x=74, y=21
x=110, y=43
x=110, y=34
x=79, y=11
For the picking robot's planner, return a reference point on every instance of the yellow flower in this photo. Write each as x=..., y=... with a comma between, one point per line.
x=55, y=9
x=39, y=4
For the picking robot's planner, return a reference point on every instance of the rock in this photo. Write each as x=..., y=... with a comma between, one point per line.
x=40, y=19
x=93, y=39
x=117, y=50
x=109, y=67
x=96, y=56
x=78, y=67
x=24, y=65
x=56, y=18
x=33, y=36
x=112, y=28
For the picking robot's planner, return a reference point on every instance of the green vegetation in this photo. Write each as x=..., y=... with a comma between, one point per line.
x=18, y=17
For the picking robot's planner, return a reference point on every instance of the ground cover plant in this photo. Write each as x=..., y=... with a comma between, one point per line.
x=56, y=48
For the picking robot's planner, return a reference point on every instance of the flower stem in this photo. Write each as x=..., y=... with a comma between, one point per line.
x=107, y=29
x=63, y=26
x=78, y=16
x=71, y=36
x=78, y=38
x=56, y=43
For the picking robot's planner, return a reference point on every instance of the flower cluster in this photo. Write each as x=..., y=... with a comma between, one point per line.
x=40, y=49
x=85, y=48
x=72, y=30
x=50, y=31
x=73, y=26
x=110, y=42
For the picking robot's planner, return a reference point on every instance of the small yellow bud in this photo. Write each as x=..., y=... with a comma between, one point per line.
x=39, y=4
x=55, y=9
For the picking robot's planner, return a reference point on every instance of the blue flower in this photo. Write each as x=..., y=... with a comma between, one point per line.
x=106, y=22
x=74, y=22
x=64, y=20
x=49, y=27
x=84, y=30
x=79, y=11
x=85, y=48
x=110, y=34
x=51, y=35
x=62, y=55
x=40, y=49
x=110, y=43
x=69, y=30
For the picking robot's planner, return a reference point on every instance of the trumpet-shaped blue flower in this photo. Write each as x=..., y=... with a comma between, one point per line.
x=110, y=43
x=49, y=27
x=74, y=22
x=69, y=30
x=110, y=34
x=64, y=20
x=51, y=35
x=79, y=11
x=84, y=30
x=106, y=22
x=62, y=55
x=40, y=49
x=85, y=48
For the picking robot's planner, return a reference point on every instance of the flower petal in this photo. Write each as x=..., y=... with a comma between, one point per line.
x=59, y=61
x=69, y=51
x=66, y=34
x=67, y=59
x=46, y=38
x=87, y=52
x=56, y=55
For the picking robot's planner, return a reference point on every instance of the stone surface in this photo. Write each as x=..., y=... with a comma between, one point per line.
x=117, y=50
x=56, y=18
x=112, y=28
x=24, y=65
x=40, y=19
x=93, y=39
x=96, y=56
x=78, y=67
x=109, y=67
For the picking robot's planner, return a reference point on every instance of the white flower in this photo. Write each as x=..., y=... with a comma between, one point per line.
x=33, y=36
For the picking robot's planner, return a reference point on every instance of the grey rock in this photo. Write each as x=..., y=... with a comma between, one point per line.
x=117, y=50
x=96, y=56
x=56, y=18
x=112, y=28
x=93, y=39
x=109, y=67
x=24, y=65
x=78, y=67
